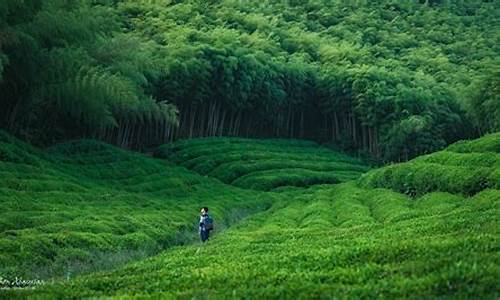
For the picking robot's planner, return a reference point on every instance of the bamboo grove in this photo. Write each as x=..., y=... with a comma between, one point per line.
x=393, y=79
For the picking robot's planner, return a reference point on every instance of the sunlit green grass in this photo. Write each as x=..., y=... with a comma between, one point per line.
x=466, y=168
x=330, y=241
x=85, y=205
x=423, y=229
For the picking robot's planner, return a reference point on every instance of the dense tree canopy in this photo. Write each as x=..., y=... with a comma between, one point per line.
x=70, y=71
x=390, y=78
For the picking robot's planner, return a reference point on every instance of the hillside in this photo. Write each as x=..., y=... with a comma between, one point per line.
x=466, y=168
x=263, y=164
x=341, y=241
x=361, y=238
x=345, y=149
x=85, y=205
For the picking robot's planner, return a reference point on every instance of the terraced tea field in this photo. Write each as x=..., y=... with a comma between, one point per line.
x=422, y=229
x=464, y=168
x=263, y=164
x=85, y=205
x=338, y=241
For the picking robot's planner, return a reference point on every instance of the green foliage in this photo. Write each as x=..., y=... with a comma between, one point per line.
x=394, y=80
x=71, y=74
x=337, y=240
x=466, y=167
x=263, y=164
x=487, y=144
x=484, y=104
x=85, y=206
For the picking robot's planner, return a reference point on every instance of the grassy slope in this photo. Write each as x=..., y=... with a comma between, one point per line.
x=353, y=239
x=85, y=205
x=263, y=164
x=342, y=240
x=463, y=168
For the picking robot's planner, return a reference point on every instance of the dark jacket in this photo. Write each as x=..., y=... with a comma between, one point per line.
x=202, y=221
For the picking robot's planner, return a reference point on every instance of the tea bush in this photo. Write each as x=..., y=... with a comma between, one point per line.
x=263, y=164
x=334, y=241
x=465, y=168
x=74, y=206
x=423, y=229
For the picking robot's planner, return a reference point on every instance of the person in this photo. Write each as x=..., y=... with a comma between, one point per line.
x=206, y=224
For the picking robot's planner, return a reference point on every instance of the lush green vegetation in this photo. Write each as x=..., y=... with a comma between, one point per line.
x=361, y=238
x=463, y=168
x=70, y=71
x=392, y=78
x=277, y=115
x=84, y=205
x=263, y=164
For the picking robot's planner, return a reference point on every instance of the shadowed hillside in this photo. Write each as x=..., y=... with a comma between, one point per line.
x=263, y=164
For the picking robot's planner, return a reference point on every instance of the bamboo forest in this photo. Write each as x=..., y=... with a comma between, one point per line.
x=257, y=149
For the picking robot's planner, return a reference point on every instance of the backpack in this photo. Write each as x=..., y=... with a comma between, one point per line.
x=209, y=223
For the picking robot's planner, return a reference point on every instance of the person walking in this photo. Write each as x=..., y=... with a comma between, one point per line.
x=206, y=224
